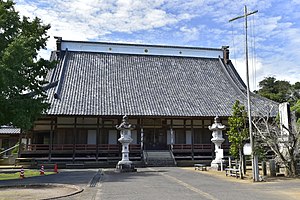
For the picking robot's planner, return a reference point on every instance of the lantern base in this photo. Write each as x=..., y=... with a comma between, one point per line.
x=217, y=165
x=128, y=167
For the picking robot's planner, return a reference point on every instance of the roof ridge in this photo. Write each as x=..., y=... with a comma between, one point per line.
x=253, y=103
x=144, y=49
x=231, y=79
x=142, y=45
x=239, y=79
x=61, y=76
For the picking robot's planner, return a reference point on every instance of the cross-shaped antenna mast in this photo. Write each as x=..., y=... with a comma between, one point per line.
x=254, y=157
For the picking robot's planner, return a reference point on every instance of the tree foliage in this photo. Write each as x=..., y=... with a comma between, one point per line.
x=22, y=73
x=279, y=91
x=296, y=109
x=238, y=133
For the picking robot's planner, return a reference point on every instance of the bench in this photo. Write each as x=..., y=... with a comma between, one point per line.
x=201, y=167
x=232, y=172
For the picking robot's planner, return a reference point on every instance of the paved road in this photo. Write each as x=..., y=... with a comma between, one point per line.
x=166, y=183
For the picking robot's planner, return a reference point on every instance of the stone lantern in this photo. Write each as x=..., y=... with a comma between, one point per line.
x=125, y=165
x=217, y=139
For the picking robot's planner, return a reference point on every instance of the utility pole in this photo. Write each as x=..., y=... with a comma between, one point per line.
x=253, y=157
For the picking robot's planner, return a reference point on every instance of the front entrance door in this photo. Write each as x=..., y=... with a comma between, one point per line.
x=155, y=139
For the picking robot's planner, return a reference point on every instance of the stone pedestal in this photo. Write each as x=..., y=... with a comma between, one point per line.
x=125, y=165
x=217, y=139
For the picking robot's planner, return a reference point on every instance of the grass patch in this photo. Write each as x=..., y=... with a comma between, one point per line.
x=27, y=173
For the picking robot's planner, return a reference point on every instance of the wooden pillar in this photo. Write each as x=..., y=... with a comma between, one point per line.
x=55, y=132
x=51, y=140
x=141, y=133
x=213, y=154
x=172, y=135
x=97, y=138
x=142, y=137
x=118, y=133
x=192, y=135
x=27, y=141
x=74, y=139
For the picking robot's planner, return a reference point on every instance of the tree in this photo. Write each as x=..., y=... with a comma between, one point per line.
x=22, y=73
x=284, y=145
x=295, y=92
x=279, y=91
x=297, y=86
x=238, y=133
x=296, y=109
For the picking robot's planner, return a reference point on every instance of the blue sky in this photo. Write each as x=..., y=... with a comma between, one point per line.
x=274, y=32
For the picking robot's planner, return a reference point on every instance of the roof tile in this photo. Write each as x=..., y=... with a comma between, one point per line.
x=118, y=84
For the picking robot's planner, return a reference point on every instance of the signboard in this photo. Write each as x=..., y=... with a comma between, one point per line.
x=247, y=149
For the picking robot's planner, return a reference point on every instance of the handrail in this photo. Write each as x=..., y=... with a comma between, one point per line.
x=173, y=157
x=189, y=146
x=116, y=147
x=145, y=157
x=77, y=147
x=2, y=152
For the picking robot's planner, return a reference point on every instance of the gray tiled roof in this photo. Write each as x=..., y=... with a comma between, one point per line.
x=9, y=130
x=143, y=85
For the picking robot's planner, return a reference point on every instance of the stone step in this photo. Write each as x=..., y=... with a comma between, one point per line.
x=159, y=158
x=159, y=154
x=161, y=163
x=163, y=154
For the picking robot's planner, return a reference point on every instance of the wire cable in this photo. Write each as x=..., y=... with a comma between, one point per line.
x=233, y=46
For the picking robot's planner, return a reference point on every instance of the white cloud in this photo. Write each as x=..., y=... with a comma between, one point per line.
x=259, y=69
x=181, y=22
x=98, y=18
x=188, y=34
x=255, y=71
x=296, y=2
